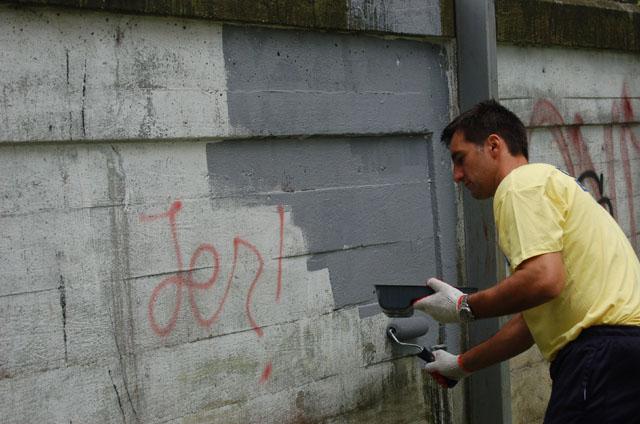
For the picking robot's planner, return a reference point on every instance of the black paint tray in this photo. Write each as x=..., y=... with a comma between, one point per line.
x=396, y=301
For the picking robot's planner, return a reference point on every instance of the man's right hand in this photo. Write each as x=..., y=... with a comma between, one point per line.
x=443, y=304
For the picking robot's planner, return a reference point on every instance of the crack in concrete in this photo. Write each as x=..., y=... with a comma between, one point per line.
x=84, y=97
x=28, y=292
x=122, y=366
x=115, y=388
x=63, y=305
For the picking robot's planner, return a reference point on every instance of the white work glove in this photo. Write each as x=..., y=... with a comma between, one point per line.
x=446, y=365
x=443, y=304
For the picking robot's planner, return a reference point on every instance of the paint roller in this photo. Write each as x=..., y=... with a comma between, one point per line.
x=410, y=328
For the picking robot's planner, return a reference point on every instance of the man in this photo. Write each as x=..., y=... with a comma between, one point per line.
x=574, y=287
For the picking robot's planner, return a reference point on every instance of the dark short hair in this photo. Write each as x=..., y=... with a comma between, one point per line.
x=486, y=118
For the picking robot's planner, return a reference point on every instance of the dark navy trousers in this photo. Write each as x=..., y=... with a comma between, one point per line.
x=596, y=378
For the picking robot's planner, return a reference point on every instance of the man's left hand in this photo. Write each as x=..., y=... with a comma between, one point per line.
x=446, y=365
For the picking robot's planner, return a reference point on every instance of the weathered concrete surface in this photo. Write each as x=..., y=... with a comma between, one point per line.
x=577, y=81
x=158, y=269
x=582, y=108
x=117, y=77
x=104, y=76
x=105, y=332
x=416, y=17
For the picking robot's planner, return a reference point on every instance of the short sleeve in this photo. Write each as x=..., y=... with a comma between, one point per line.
x=529, y=224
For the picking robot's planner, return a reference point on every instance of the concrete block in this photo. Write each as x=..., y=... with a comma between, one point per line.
x=587, y=83
x=328, y=400
x=313, y=368
x=360, y=85
x=148, y=303
x=33, y=337
x=76, y=394
x=40, y=251
x=109, y=77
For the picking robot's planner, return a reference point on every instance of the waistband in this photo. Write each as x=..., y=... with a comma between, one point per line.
x=609, y=331
x=592, y=335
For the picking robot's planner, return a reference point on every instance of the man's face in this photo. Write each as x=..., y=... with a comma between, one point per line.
x=473, y=166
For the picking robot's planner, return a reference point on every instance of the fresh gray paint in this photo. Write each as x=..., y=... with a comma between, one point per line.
x=292, y=82
x=364, y=204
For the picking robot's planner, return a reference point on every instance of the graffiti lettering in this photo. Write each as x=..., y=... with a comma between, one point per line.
x=602, y=200
x=183, y=279
x=577, y=159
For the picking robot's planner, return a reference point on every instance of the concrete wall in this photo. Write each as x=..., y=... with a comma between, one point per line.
x=195, y=213
x=198, y=197
x=582, y=107
x=583, y=111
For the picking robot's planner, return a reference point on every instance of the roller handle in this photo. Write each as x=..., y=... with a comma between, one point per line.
x=427, y=356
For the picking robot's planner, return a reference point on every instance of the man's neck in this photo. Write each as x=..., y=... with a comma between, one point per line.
x=509, y=164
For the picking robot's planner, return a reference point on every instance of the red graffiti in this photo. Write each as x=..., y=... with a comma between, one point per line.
x=577, y=159
x=266, y=373
x=186, y=279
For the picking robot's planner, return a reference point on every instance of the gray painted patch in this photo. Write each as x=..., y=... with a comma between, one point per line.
x=291, y=82
x=363, y=204
x=366, y=311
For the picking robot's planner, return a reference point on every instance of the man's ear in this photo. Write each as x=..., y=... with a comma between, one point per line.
x=494, y=144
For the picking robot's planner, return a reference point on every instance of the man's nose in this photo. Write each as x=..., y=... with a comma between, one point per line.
x=458, y=174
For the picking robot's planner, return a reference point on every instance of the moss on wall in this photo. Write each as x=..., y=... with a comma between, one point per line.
x=447, y=18
x=315, y=14
x=579, y=23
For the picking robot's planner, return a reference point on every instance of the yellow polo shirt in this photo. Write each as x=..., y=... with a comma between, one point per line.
x=539, y=209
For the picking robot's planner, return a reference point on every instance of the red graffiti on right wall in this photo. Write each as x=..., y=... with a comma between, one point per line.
x=575, y=153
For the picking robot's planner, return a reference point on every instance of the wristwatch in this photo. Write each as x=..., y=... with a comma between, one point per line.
x=464, y=310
